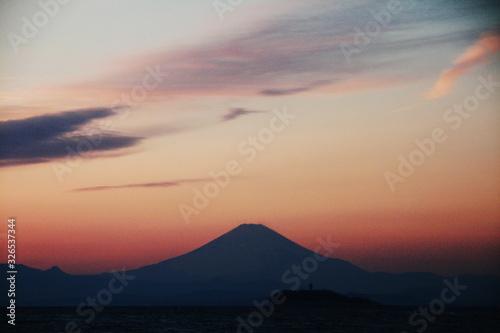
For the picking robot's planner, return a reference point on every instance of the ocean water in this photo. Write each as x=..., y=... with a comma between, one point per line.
x=224, y=319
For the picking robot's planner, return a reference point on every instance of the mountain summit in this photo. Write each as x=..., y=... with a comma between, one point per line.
x=246, y=251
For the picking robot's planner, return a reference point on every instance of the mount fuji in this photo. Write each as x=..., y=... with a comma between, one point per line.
x=246, y=264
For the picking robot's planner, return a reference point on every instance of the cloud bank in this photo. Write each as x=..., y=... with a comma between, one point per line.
x=302, y=51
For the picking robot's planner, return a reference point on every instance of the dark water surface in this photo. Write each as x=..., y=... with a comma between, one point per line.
x=224, y=319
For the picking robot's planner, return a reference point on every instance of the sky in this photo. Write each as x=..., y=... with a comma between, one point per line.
x=135, y=131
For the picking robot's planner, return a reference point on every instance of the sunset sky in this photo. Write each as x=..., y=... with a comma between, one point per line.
x=373, y=122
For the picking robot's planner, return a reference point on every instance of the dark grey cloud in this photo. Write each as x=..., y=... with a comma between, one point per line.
x=234, y=113
x=47, y=137
x=143, y=185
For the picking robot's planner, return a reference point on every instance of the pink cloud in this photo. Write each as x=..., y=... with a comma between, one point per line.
x=476, y=54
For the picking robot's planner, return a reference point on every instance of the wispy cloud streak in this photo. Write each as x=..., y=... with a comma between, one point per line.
x=142, y=185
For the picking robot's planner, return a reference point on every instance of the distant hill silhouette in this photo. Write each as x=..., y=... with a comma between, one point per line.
x=239, y=267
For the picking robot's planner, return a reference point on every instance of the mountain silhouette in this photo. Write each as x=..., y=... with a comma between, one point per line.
x=247, y=252
x=246, y=264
